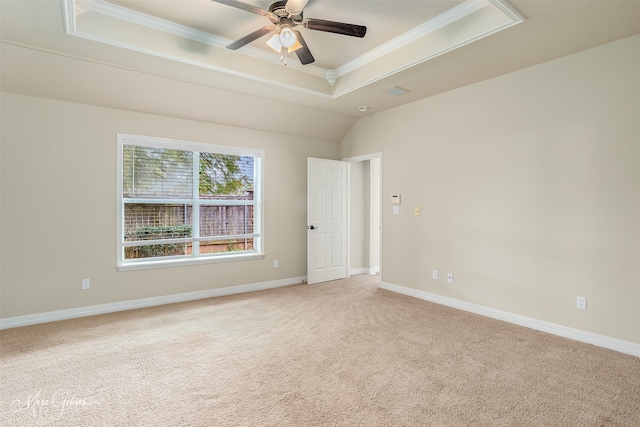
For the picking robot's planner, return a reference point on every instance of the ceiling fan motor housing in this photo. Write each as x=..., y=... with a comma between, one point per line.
x=279, y=11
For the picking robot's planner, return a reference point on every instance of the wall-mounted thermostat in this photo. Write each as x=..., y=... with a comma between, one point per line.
x=395, y=199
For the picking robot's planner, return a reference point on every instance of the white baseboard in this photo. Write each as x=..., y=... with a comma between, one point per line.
x=363, y=270
x=540, y=325
x=52, y=316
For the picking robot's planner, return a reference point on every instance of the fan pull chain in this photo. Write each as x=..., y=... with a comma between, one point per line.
x=283, y=55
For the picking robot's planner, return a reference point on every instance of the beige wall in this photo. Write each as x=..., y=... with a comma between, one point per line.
x=529, y=186
x=59, y=206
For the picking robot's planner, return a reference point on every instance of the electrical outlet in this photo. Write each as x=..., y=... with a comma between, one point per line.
x=450, y=277
x=416, y=210
x=86, y=284
x=581, y=303
x=434, y=274
x=275, y=264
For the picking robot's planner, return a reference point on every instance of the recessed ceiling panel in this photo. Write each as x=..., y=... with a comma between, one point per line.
x=196, y=32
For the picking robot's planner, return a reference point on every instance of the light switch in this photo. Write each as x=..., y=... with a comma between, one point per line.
x=416, y=210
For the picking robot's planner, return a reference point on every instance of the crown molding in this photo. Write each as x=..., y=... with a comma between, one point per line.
x=415, y=33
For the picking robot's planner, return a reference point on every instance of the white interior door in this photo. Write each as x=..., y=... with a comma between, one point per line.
x=326, y=220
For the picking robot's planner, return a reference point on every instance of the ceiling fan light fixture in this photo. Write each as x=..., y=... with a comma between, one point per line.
x=274, y=43
x=295, y=47
x=285, y=15
x=291, y=42
x=287, y=36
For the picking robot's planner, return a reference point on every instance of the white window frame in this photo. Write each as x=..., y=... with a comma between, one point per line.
x=258, y=226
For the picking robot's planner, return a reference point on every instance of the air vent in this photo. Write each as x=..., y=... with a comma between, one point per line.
x=397, y=91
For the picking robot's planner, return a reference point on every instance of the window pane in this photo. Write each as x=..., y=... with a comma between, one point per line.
x=215, y=246
x=146, y=221
x=223, y=174
x=226, y=220
x=157, y=173
x=154, y=251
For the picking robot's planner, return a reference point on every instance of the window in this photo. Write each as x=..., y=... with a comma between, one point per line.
x=187, y=203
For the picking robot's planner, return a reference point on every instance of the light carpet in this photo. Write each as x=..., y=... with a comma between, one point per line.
x=342, y=353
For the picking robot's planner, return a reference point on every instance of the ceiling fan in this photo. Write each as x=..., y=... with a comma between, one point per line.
x=285, y=15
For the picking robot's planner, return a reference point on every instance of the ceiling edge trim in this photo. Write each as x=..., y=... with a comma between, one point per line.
x=508, y=10
x=514, y=17
x=422, y=30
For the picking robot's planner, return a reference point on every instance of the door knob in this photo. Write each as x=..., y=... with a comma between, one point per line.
x=312, y=227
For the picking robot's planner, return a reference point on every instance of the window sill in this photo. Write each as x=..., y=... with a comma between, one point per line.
x=147, y=265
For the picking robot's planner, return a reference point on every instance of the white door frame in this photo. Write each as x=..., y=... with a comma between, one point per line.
x=350, y=160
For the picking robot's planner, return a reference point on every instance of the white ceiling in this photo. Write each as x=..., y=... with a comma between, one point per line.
x=330, y=50
x=168, y=57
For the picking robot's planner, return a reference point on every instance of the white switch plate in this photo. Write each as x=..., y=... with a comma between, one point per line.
x=86, y=284
x=275, y=264
x=434, y=274
x=396, y=210
x=450, y=277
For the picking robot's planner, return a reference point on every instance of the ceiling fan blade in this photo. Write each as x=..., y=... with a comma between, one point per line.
x=304, y=54
x=244, y=6
x=296, y=5
x=250, y=37
x=335, y=27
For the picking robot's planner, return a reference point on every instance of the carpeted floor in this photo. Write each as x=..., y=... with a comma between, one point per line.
x=342, y=353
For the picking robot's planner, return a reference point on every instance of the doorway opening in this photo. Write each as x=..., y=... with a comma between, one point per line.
x=365, y=215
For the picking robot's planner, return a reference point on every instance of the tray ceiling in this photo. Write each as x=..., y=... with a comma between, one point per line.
x=196, y=32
